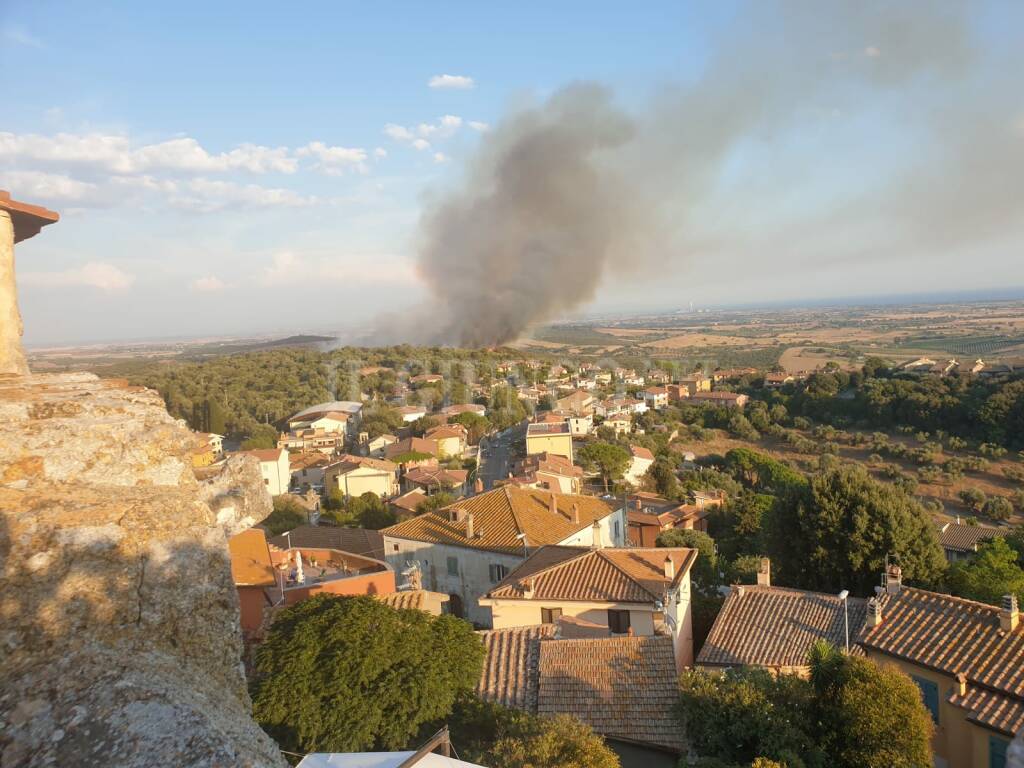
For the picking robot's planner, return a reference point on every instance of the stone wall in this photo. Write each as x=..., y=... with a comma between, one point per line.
x=119, y=628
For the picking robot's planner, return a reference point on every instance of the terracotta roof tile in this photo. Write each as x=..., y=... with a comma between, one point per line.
x=775, y=627
x=623, y=687
x=952, y=635
x=627, y=575
x=413, y=598
x=250, y=559
x=966, y=538
x=509, y=675
x=501, y=515
x=358, y=541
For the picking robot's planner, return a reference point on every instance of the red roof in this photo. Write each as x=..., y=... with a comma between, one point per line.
x=27, y=219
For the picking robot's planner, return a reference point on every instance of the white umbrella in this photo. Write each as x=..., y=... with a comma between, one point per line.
x=300, y=577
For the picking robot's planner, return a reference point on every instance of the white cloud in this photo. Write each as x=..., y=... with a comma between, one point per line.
x=208, y=284
x=476, y=125
x=335, y=160
x=208, y=195
x=451, y=82
x=96, y=274
x=421, y=136
x=440, y=157
x=872, y=52
x=380, y=152
x=398, y=132
x=49, y=186
x=421, y=144
x=19, y=35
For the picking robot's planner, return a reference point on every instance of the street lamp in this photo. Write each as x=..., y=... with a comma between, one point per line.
x=846, y=617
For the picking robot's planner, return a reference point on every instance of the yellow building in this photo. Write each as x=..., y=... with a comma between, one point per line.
x=549, y=438
x=966, y=657
x=356, y=475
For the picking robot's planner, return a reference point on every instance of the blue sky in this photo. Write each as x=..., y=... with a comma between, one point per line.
x=228, y=168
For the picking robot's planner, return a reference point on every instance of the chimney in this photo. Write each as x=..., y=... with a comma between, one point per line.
x=528, y=592
x=893, y=580
x=764, y=573
x=874, y=617
x=670, y=568
x=637, y=504
x=961, y=684
x=1009, y=614
x=595, y=531
x=469, y=526
x=575, y=513
x=478, y=485
x=554, y=504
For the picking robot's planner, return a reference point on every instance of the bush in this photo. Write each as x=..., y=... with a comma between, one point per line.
x=973, y=498
x=997, y=508
x=287, y=514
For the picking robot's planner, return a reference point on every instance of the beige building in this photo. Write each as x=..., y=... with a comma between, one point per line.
x=966, y=657
x=604, y=592
x=549, y=438
x=471, y=545
x=356, y=475
x=641, y=460
x=451, y=440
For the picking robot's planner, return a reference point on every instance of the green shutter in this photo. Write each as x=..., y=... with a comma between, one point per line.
x=997, y=752
x=930, y=695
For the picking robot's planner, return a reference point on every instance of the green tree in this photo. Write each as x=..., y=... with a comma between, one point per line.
x=216, y=421
x=663, y=474
x=287, y=514
x=997, y=508
x=610, y=460
x=837, y=532
x=350, y=674
x=476, y=425
x=992, y=572
x=434, y=502
x=973, y=498
x=261, y=436
x=705, y=570
x=370, y=511
x=381, y=421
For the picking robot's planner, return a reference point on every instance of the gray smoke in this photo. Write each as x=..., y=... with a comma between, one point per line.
x=576, y=191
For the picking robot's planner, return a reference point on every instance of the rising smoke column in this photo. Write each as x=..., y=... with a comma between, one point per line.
x=540, y=215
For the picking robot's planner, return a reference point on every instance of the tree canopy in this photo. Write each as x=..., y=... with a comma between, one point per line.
x=350, y=674
x=993, y=571
x=609, y=460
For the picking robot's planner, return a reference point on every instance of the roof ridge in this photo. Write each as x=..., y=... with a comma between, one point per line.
x=512, y=511
x=953, y=598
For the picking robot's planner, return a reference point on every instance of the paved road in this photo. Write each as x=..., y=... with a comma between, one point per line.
x=495, y=457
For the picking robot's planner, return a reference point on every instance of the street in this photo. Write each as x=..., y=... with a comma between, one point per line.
x=495, y=456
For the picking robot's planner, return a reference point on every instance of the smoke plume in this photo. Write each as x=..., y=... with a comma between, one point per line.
x=576, y=191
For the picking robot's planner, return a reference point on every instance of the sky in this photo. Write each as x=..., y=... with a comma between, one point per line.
x=258, y=168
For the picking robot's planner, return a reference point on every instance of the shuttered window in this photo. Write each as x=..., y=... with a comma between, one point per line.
x=997, y=749
x=930, y=696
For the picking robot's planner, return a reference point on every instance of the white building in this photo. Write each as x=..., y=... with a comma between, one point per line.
x=471, y=545
x=275, y=466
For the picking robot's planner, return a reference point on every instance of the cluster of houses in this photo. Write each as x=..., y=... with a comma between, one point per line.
x=948, y=367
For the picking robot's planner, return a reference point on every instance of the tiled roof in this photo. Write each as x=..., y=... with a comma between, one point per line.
x=410, y=500
x=348, y=462
x=775, y=627
x=358, y=541
x=509, y=676
x=411, y=445
x=412, y=598
x=966, y=538
x=432, y=476
x=621, y=575
x=622, y=687
x=449, y=430
x=547, y=428
x=952, y=635
x=502, y=514
x=640, y=452
x=250, y=559
x=265, y=454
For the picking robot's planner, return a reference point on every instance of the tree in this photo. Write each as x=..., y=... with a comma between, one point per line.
x=610, y=460
x=973, y=498
x=287, y=514
x=381, y=421
x=992, y=572
x=663, y=474
x=434, y=502
x=493, y=735
x=261, y=436
x=370, y=511
x=870, y=716
x=350, y=674
x=705, y=570
x=476, y=425
x=997, y=508
x=838, y=531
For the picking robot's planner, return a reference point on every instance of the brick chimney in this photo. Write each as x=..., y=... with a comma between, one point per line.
x=469, y=525
x=670, y=568
x=554, y=504
x=595, y=531
x=1009, y=614
x=764, y=573
x=893, y=580
x=528, y=592
x=874, y=617
x=575, y=513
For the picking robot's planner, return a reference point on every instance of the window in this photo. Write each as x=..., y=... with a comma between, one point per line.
x=616, y=529
x=997, y=752
x=549, y=615
x=618, y=622
x=930, y=695
x=498, y=572
x=453, y=566
x=395, y=546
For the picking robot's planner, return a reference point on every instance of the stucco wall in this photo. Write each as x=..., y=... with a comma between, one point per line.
x=522, y=613
x=560, y=445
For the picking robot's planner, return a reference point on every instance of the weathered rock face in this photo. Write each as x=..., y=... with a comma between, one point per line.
x=119, y=633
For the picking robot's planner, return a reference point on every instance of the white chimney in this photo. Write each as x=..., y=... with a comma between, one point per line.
x=893, y=579
x=595, y=531
x=469, y=525
x=528, y=592
x=874, y=617
x=670, y=568
x=553, y=504
x=575, y=513
x=1009, y=614
x=961, y=684
x=764, y=573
